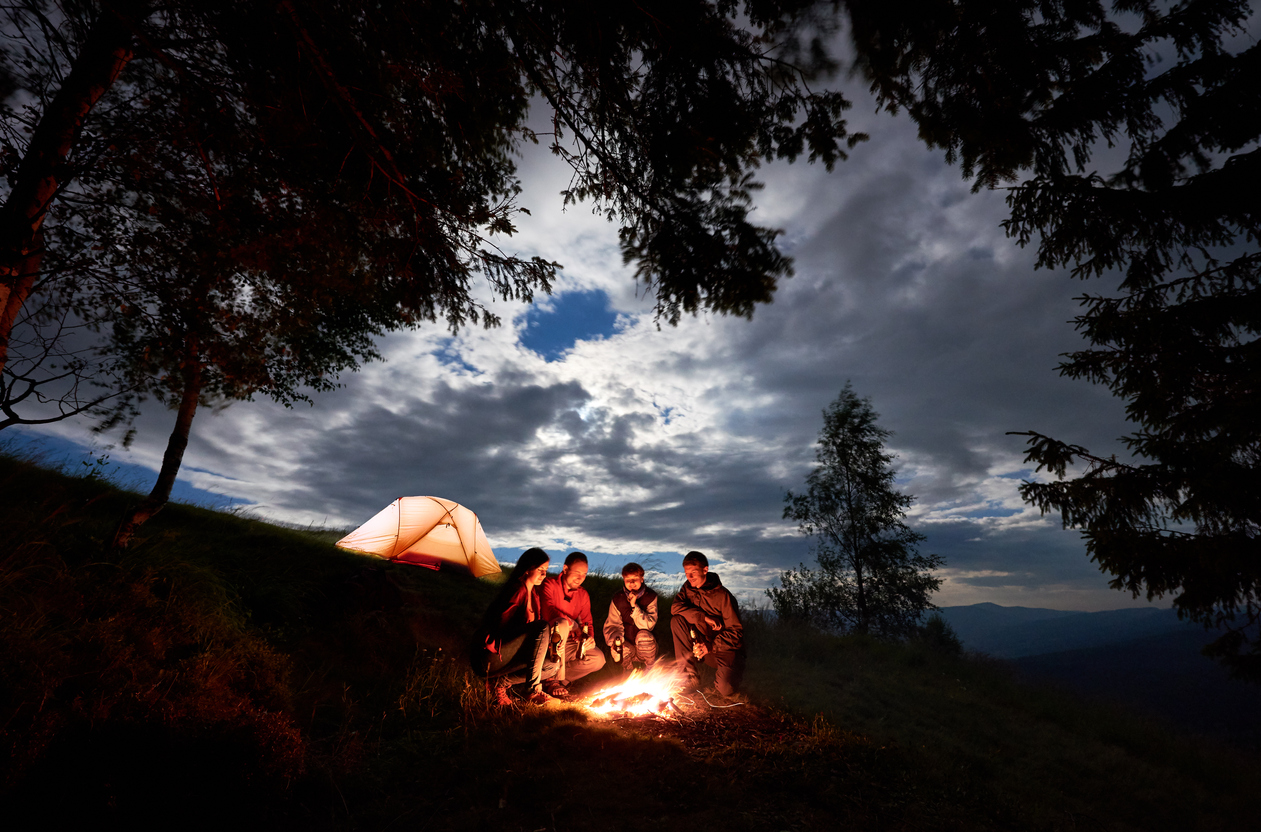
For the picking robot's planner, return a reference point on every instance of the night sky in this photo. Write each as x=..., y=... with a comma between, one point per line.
x=582, y=424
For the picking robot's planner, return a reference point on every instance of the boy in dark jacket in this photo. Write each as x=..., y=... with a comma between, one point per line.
x=706, y=627
x=632, y=617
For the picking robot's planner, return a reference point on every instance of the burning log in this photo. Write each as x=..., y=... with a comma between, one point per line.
x=639, y=695
x=631, y=701
x=604, y=700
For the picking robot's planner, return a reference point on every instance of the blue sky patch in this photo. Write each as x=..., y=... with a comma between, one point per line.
x=552, y=330
x=448, y=356
x=79, y=460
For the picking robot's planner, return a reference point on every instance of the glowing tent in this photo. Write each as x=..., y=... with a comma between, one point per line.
x=427, y=531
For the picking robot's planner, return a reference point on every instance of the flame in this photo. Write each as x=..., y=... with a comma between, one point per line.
x=639, y=694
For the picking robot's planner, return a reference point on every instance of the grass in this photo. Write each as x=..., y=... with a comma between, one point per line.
x=230, y=672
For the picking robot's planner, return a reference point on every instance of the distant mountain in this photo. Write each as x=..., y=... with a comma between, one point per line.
x=1143, y=658
x=1012, y=632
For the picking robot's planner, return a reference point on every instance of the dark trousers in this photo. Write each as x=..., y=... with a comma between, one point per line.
x=522, y=659
x=728, y=664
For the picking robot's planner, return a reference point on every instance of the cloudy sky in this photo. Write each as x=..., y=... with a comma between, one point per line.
x=579, y=424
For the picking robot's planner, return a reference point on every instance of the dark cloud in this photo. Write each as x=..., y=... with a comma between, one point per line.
x=460, y=444
x=644, y=442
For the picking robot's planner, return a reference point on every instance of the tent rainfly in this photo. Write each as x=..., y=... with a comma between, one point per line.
x=426, y=531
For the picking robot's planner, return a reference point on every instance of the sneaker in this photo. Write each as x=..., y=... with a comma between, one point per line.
x=542, y=697
x=502, y=698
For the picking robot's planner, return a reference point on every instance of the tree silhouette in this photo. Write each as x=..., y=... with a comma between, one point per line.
x=1048, y=95
x=408, y=114
x=267, y=186
x=219, y=288
x=871, y=577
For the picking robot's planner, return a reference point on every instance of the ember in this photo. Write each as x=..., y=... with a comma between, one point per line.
x=641, y=694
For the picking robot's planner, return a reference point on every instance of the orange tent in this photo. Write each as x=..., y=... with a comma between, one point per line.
x=427, y=531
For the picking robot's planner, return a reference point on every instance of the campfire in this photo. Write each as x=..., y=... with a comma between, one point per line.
x=641, y=694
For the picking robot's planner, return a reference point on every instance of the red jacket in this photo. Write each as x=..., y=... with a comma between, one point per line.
x=558, y=605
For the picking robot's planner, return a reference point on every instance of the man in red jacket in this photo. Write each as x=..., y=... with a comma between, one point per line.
x=706, y=627
x=566, y=607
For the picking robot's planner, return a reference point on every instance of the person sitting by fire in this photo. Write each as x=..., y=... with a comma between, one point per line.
x=706, y=627
x=567, y=610
x=632, y=617
x=511, y=644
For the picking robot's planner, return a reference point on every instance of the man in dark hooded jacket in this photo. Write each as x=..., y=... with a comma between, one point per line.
x=706, y=627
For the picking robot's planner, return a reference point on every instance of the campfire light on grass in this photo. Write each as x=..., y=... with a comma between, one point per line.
x=641, y=694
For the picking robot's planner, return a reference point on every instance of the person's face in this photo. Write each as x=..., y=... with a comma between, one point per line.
x=633, y=582
x=695, y=574
x=535, y=576
x=573, y=575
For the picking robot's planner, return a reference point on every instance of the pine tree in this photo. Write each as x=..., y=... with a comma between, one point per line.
x=871, y=578
x=1131, y=131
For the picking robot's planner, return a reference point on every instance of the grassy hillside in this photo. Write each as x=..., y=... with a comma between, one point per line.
x=226, y=671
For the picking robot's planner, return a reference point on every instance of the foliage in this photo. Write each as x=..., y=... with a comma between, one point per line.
x=1131, y=134
x=937, y=636
x=389, y=132
x=218, y=285
x=871, y=577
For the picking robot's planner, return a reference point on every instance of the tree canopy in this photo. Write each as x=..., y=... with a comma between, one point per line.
x=406, y=115
x=1048, y=95
x=871, y=577
x=240, y=195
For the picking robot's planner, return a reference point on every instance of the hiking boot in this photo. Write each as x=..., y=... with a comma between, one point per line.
x=502, y=698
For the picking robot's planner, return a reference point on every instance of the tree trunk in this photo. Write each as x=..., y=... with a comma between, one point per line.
x=171, y=460
x=44, y=169
x=863, y=622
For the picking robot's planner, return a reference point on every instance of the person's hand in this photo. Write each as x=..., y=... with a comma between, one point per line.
x=699, y=650
x=713, y=625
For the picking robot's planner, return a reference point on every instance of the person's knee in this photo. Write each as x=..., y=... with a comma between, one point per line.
x=645, y=646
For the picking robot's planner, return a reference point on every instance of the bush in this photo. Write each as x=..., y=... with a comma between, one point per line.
x=936, y=636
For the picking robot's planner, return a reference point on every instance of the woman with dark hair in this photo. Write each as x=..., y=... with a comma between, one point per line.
x=511, y=643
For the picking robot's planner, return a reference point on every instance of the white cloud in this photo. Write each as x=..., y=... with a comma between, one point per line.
x=905, y=285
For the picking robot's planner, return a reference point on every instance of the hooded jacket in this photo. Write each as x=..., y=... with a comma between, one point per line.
x=712, y=600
